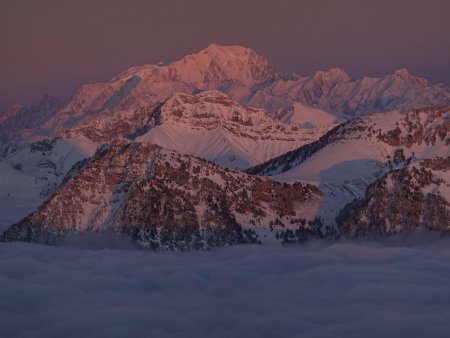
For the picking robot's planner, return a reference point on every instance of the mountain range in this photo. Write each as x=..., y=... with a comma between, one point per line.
x=218, y=148
x=239, y=72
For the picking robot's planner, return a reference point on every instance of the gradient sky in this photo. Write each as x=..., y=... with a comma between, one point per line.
x=54, y=46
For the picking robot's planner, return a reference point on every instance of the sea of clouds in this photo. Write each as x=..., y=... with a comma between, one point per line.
x=396, y=288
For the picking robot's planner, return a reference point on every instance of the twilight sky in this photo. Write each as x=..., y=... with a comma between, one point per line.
x=54, y=46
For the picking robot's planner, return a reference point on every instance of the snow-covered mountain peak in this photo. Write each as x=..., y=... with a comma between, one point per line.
x=242, y=74
x=403, y=72
x=215, y=49
x=216, y=67
x=331, y=76
x=209, y=68
x=217, y=63
x=335, y=92
x=405, y=76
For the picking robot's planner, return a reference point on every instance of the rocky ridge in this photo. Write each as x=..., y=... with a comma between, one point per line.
x=248, y=79
x=410, y=128
x=165, y=200
x=336, y=92
x=346, y=160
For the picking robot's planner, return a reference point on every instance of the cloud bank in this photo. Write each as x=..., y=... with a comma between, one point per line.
x=398, y=288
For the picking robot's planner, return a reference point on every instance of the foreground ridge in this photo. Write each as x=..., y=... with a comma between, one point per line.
x=166, y=200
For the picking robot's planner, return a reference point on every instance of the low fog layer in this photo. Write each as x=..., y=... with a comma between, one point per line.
x=400, y=287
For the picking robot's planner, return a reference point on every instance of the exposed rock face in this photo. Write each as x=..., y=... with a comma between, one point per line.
x=117, y=124
x=420, y=126
x=163, y=199
x=413, y=197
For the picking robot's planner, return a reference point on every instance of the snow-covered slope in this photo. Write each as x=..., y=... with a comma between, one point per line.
x=211, y=126
x=335, y=92
x=34, y=170
x=302, y=116
x=350, y=157
x=167, y=201
x=15, y=183
x=30, y=172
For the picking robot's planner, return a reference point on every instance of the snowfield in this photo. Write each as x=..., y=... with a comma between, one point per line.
x=398, y=288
